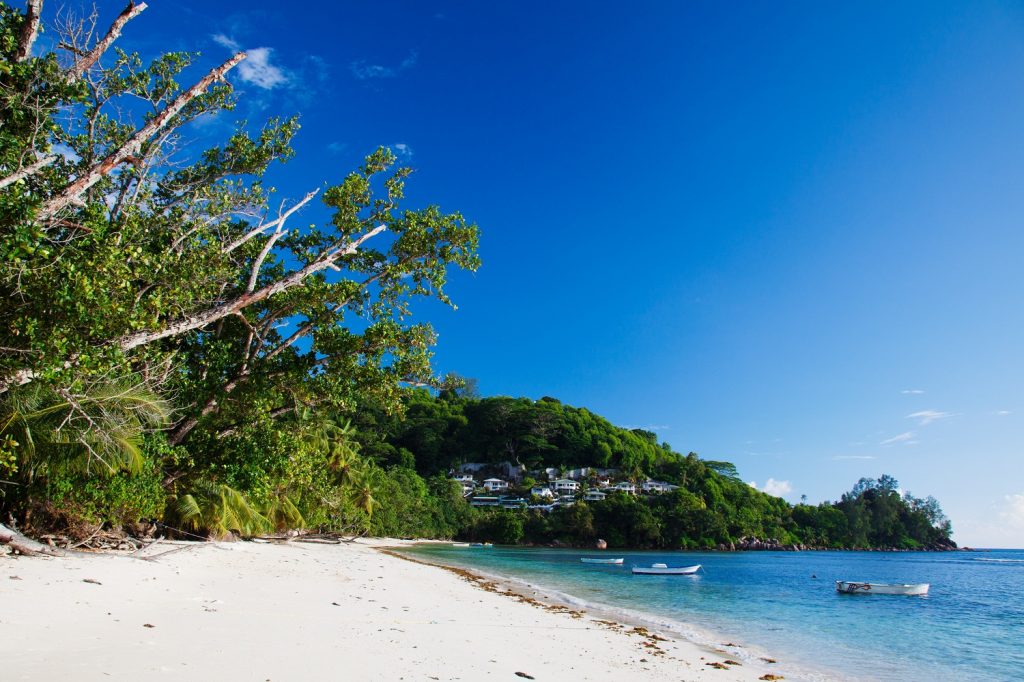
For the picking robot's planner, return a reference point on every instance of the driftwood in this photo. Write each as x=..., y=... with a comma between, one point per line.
x=25, y=546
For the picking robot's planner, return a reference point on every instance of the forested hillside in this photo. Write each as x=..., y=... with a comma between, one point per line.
x=712, y=507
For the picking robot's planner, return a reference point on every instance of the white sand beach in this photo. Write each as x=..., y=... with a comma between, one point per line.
x=298, y=611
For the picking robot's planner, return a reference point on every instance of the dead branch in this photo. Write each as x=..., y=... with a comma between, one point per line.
x=247, y=299
x=70, y=195
x=88, y=60
x=263, y=227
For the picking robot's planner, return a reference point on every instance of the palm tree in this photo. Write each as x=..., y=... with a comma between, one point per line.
x=99, y=427
x=219, y=510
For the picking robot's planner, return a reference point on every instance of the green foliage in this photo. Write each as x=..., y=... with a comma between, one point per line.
x=118, y=500
x=98, y=429
x=217, y=510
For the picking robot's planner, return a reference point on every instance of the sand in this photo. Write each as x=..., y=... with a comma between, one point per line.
x=298, y=611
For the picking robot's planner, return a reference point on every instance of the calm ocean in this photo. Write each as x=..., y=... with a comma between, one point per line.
x=784, y=604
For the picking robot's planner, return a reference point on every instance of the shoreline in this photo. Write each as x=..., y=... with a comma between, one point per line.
x=708, y=641
x=301, y=611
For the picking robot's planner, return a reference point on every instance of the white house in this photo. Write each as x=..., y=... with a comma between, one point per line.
x=594, y=496
x=564, y=485
x=542, y=491
x=464, y=478
x=467, y=488
x=650, y=486
x=626, y=487
x=495, y=484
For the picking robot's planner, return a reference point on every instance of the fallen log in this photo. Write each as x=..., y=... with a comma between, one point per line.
x=25, y=546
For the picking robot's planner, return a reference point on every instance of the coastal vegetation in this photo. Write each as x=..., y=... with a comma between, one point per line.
x=177, y=349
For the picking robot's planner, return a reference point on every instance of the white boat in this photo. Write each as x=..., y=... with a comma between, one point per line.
x=913, y=589
x=664, y=569
x=594, y=560
x=460, y=544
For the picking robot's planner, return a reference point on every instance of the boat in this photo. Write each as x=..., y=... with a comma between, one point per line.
x=594, y=560
x=460, y=544
x=481, y=544
x=913, y=589
x=665, y=569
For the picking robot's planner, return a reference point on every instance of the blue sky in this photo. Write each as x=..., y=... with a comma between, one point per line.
x=786, y=235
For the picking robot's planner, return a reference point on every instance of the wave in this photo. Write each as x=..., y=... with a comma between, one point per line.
x=1002, y=561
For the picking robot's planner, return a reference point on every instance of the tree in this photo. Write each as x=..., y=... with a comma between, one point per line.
x=190, y=277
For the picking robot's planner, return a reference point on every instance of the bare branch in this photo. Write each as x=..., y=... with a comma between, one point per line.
x=263, y=227
x=249, y=298
x=29, y=30
x=70, y=194
x=89, y=59
x=265, y=251
x=27, y=171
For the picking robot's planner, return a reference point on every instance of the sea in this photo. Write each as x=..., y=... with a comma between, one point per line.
x=784, y=605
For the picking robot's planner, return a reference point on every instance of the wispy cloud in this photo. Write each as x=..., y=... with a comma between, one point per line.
x=337, y=147
x=773, y=487
x=1012, y=512
x=1003, y=413
x=225, y=41
x=906, y=437
x=257, y=69
x=926, y=417
x=912, y=391
x=364, y=71
x=843, y=457
x=403, y=151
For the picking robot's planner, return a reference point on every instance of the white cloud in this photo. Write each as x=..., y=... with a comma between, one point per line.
x=402, y=151
x=67, y=152
x=906, y=437
x=1003, y=413
x=912, y=391
x=777, y=488
x=842, y=457
x=773, y=487
x=363, y=71
x=257, y=69
x=225, y=41
x=928, y=416
x=1012, y=513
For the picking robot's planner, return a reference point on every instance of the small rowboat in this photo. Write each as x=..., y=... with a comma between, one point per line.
x=847, y=587
x=460, y=544
x=591, y=560
x=664, y=569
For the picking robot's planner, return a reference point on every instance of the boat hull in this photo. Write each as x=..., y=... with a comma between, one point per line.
x=615, y=562
x=667, y=570
x=913, y=590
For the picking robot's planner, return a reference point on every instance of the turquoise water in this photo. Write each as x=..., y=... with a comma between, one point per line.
x=969, y=627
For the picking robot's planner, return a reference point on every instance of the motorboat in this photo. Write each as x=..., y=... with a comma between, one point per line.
x=665, y=569
x=913, y=589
